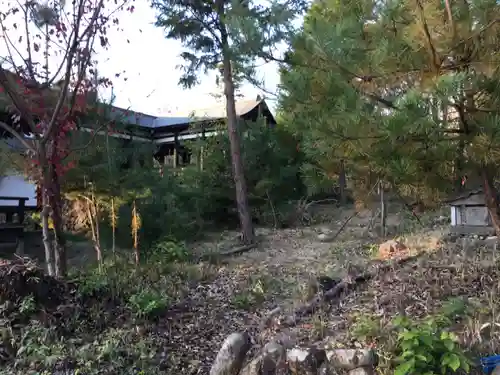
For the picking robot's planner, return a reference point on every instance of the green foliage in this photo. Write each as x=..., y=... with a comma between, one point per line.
x=225, y=31
x=272, y=167
x=170, y=251
x=369, y=83
x=366, y=327
x=27, y=305
x=250, y=297
x=428, y=347
x=182, y=203
x=148, y=303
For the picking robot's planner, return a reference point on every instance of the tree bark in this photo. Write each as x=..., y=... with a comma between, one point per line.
x=47, y=243
x=94, y=232
x=44, y=181
x=55, y=202
x=491, y=199
x=234, y=139
x=342, y=184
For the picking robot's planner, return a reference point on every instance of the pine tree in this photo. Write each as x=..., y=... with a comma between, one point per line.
x=407, y=90
x=231, y=34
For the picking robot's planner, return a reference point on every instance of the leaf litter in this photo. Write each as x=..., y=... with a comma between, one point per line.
x=239, y=293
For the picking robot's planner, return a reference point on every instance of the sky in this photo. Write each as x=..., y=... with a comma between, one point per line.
x=148, y=62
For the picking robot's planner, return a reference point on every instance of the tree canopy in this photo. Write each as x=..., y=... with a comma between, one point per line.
x=403, y=90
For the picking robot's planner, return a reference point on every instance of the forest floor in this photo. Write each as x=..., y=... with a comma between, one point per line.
x=161, y=318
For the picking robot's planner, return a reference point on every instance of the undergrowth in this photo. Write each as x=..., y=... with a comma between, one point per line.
x=102, y=328
x=426, y=346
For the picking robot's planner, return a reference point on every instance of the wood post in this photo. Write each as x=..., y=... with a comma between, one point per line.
x=342, y=183
x=383, y=210
x=176, y=150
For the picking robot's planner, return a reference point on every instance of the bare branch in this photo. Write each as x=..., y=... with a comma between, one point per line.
x=92, y=138
x=17, y=100
x=69, y=64
x=17, y=135
x=28, y=41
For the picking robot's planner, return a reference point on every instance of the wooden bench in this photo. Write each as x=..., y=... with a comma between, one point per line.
x=12, y=231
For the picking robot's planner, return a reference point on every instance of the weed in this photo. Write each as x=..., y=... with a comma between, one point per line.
x=255, y=294
x=27, y=306
x=243, y=300
x=319, y=326
x=170, y=251
x=427, y=347
x=366, y=328
x=147, y=303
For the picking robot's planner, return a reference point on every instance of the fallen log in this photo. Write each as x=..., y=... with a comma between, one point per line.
x=338, y=291
x=235, y=251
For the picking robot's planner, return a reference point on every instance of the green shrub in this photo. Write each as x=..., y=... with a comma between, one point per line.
x=147, y=303
x=272, y=166
x=428, y=348
x=170, y=251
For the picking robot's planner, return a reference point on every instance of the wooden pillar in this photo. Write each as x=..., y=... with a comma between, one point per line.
x=176, y=150
x=20, y=211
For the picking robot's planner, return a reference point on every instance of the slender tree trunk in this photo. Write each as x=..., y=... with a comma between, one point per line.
x=113, y=227
x=383, y=210
x=93, y=230
x=97, y=220
x=55, y=202
x=491, y=200
x=44, y=182
x=234, y=139
x=47, y=242
x=342, y=183
x=135, y=232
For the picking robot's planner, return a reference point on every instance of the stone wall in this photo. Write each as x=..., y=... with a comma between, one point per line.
x=276, y=359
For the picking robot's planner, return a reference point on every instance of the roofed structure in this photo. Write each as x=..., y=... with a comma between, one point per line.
x=469, y=214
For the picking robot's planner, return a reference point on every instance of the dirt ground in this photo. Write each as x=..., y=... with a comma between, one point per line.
x=282, y=270
x=215, y=299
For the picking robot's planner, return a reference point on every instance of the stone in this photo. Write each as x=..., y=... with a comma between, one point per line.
x=253, y=367
x=325, y=237
x=231, y=355
x=362, y=371
x=305, y=361
x=350, y=359
x=286, y=338
x=325, y=370
x=272, y=361
x=325, y=230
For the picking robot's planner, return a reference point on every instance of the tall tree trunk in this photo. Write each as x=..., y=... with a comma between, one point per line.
x=491, y=198
x=234, y=139
x=113, y=227
x=47, y=242
x=44, y=182
x=55, y=202
x=342, y=183
x=93, y=229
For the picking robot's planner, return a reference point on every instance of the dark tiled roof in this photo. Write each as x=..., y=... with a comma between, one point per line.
x=212, y=113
